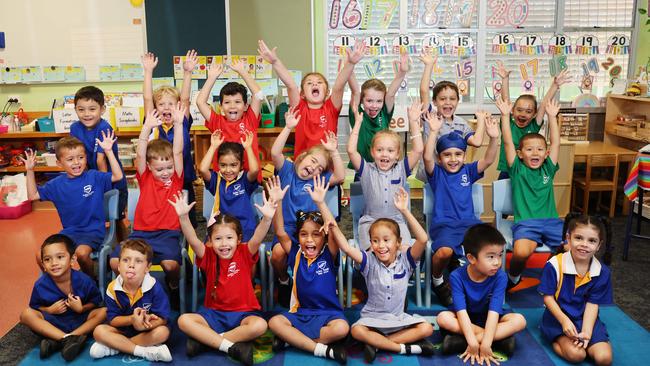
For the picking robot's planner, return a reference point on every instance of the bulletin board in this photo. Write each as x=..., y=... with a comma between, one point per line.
x=86, y=33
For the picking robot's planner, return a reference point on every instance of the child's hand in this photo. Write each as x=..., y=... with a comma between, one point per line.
x=569, y=329
x=415, y=110
x=269, y=55
x=178, y=113
x=29, y=160
x=137, y=319
x=74, y=303
x=492, y=127
x=180, y=203
x=240, y=66
x=562, y=78
x=582, y=340
x=552, y=108
x=191, y=59
x=404, y=63
x=291, y=118
x=487, y=356
x=482, y=115
x=108, y=139
x=504, y=106
x=58, y=307
x=331, y=142
x=427, y=59
x=215, y=70
x=356, y=54
x=152, y=120
x=268, y=208
x=358, y=119
x=434, y=122
x=471, y=353
x=328, y=226
x=247, y=142
x=274, y=188
x=401, y=200
x=216, y=139
x=319, y=191
x=502, y=71
x=149, y=61
x=148, y=318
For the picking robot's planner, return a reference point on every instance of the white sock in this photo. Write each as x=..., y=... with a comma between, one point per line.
x=402, y=349
x=98, y=350
x=437, y=281
x=320, y=350
x=514, y=279
x=225, y=345
x=139, y=351
x=285, y=282
x=415, y=349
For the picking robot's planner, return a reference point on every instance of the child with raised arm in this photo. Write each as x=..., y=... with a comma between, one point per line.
x=319, y=112
x=315, y=320
x=164, y=100
x=64, y=304
x=230, y=319
x=525, y=116
x=384, y=177
x=322, y=159
x=238, y=117
x=387, y=269
x=376, y=103
x=532, y=166
x=137, y=309
x=574, y=284
x=159, y=175
x=451, y=182
x=477, y=323
x=232, y=186
x=78, y=195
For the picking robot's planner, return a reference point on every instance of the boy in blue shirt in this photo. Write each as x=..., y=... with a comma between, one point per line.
x=479, y=290
x=63, y=306
x=137, y=309
x=78, y=194
x=89, y=105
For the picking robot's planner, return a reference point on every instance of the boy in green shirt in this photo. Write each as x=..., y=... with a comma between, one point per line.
x=532, y=167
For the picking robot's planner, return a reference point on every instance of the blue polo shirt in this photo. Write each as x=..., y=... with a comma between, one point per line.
x=79, y=201
x=314, y=283
x=151, y=297
x=46, y=293
x=188, y=162
x=89, y=137
x=234, y=199
x=453, y=193
x=478, y=297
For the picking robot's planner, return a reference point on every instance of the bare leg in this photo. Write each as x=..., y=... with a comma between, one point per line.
x=114, y=262
x=35, y=321
x=83, y=257
x=601, y=352
x=375, y=339
x=95, y=318
x=522, y=249
x=440, y=260
x=251, y=328
x=447, y=320
x=111, y=337
x=156, y=336
x=172, y=271
x=565, y=348
x=121, y=230
x=333, y=331
x=195, y=326
x=279, y=262
x=412, y=334
x=508, y=325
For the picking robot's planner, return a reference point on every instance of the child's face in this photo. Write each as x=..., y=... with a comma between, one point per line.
x=229, y=167
x=533, y=152
x=311, y=239
x=488, y=261
x=56, y=259
x=224, y=240
x=133, y=266
x=165, y=105
x=584, y=242
x=72, y=161
x=385, y=151
x=161, y=169
x=523, y=112
x=384, y=243
x=373, y=101
x=311, y=165
x=452, y=159
x=446, y=102
x=233, y=107
x=314, y=89
x=89, y=112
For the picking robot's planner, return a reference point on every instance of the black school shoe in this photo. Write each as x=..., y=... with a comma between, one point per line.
x=337, y=352
x=443, y=292
x=453, y=343
x=49, y=347
x=242, y=352
x=193, y=347
x=427, y=347
x=506, y=345
x=277, y=344
x=72, y=346
x=369, y=353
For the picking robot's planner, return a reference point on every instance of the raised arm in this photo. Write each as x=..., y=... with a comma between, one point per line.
x=276, y=193
x=291, y=118
x=203, y=99
x=255, y=102
x=178, y=114
x=434, y=122
x=401, y=201
x=271, y=57
x=102, y=164
x=552, y=109
x=216, y=139
x=506, y=134
x=353, y=57
x=30, y=162
x=191, y=59
x=355, y=92
x=428, y=62
x=149, y=63
x=267, y=210
x=417, y=147
x=559, y=80
x=353, y=141
x=331, y=144
x=108, y=139
x=492, y=129
x=403, y=68
x=150, y=122
x=477, y=138
x=339, y=241
x=253, y=165
x=182, y=210
x=504, y=74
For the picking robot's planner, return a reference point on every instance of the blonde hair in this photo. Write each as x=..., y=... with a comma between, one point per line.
x=165, y=90
x=327, y=85
x=373, y=84
x=159, y=149
x=68, y=143
x=387, y=133
x=316, y=149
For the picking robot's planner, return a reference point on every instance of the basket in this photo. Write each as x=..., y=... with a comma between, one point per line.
x=643, y=129
x=9, y=213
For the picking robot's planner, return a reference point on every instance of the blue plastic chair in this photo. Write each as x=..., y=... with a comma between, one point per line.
x=111, y=213
x=428, y=200
x=134, y=195
x=208, y=203
x=502, y=205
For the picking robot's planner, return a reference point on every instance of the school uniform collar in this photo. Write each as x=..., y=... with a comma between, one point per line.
x=391, y=266
x=311, y=260
x=241, y=173
x=147, y=283
x=569, y=267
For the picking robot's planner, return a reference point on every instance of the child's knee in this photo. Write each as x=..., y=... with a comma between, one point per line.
x=83, y=252
x=278, y=322
x=258, y=326
x=28, y=314
x=170, y=266
x=98, y=312
x=114, y=263
x=518, y=321
x=444, y=253
x=101, y=331
x=523, y=248
x=161, y=333
x=574, y=354
x=446, y=319
x=603, y=358
x=339, y=327
x=425, y=329
x=358, y=331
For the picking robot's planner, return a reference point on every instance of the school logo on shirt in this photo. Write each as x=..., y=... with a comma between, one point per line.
x=464, y=180
x=545, y=179
x=237, y=190
x=307, y=187
x=242, y=128
x=146, y=306
x=232, y=269
x=323, y=121
x=322, y=268
x=88, y=190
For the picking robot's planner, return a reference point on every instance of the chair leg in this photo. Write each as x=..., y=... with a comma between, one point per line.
x=182, y=282
x=339, y=277
x=628, y=231
x=349, y=272
x=612, y=205
x=585, y=200
x=271, y=283
x=427, y=275
x=417, y=282
x=195, y=285
x=263, y=277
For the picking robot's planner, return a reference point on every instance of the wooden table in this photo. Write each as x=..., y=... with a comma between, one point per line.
x=583, y=150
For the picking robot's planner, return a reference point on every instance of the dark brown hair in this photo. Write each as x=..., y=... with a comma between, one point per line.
x=137, y=245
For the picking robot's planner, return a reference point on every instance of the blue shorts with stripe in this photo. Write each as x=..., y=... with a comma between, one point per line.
x=310, y=325
x=224, y=321
x=541, y=231
x=165, y=244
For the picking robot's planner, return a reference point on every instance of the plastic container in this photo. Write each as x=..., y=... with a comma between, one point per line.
x=45, y=124
x=8, y=213
x=4, y=128
x=268, y=120
x=127, y=160
x=50, y=159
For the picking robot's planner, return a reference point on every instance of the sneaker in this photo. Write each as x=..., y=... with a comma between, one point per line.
x=72, y=346
x=158, y=353
x=369, y=353
x=284, y=294
x=242, y=352
x=453, y=343
x=277, y=344
x=511, y=284
x=506, y=345
x=443, y=292
x=49, y=346
x=193, y=347
x=426, y=346
x=338, y=353
x=98, y=350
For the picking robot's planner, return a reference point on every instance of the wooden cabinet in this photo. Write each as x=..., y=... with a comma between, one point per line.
x=624, y=105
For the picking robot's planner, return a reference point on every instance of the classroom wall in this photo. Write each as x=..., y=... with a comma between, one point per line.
x=643, y=40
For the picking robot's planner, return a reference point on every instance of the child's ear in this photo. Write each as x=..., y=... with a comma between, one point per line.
x=471, y=258
x=102, y=110
x=519, y=154
x=148, y=267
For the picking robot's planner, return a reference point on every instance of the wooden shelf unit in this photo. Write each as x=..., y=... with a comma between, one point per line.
x=623, y=104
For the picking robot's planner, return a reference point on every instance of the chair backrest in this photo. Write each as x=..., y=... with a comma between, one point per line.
x=333, y=199
x=111, y=199
x=501, y=200
x=428, y=201
x=602, y=161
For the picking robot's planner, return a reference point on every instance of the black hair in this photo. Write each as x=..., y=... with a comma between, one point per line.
x=231, y=148
x=530, y=136
x=442, y=85
x=233, y=88
x=479, y=236
x=302, y=217
x=56, y=239
x=90, y=92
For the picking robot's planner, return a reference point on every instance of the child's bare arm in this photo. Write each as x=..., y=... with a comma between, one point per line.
x=355, y=93
x=434, y=123
x=552, y=109
x=588, y=321
x=241, y=70
x=403, y=68
x=477, y=138
x=121, y=321
x=428, y=62
x=485, y=348
x=271, y=56
x=568, y=327
x=253, y=165
x=268, y=210
x=291, y=118
x=203, y=99
x=216, y=139
x=472, y=351
x=108, y=139
x=102, y=165
x=318, y=194
x=276, y=192
x=504, y=74
x=191, y=59
x=559, y=80
x=401, y=201
x=151, y=121
x=492, y=128
x=182, y=210
x=353, y=141
x=506, y=134
x=149, y=63
x=178, y=114
x=30, y=162
x=353, y=57
x=331, y=144
x=417, y=146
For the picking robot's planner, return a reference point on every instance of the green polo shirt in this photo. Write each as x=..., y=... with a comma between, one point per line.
x=368, y=130
x=532, y=190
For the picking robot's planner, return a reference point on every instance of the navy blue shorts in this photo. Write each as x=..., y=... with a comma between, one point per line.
x=551, y=329
x=78, y=239
x=310, y=325
x=480, y=319
x=541, y=231
x=165, y=244
x=66, y=323
x=122, y=201
x=450, y=235
x=224, y=321
x=503, y=175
